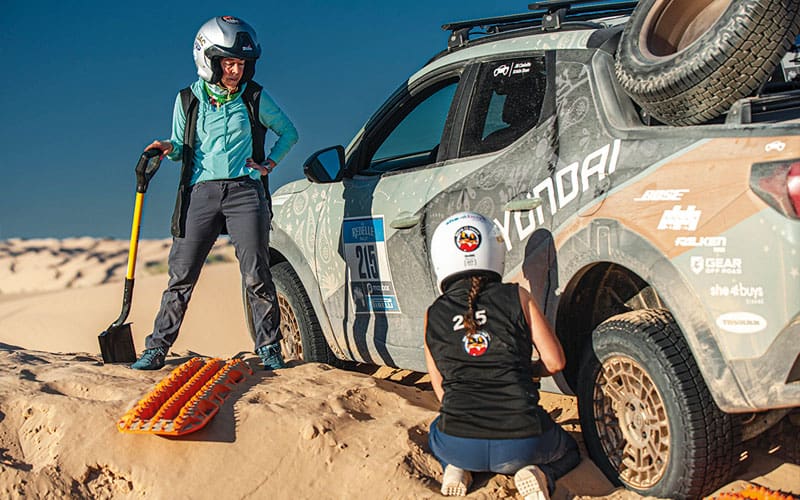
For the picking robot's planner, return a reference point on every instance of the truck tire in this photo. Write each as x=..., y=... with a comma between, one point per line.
x=686, y=61
x=648, y=419
x=302, y=334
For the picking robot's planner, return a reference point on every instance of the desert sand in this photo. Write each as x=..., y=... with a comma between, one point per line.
x=308, y=431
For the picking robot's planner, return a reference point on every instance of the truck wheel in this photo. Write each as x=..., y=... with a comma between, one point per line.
x=302, y=335
x=686, y=61
x=648, y=419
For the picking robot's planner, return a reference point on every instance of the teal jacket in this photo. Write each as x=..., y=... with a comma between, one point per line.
x=223, y=141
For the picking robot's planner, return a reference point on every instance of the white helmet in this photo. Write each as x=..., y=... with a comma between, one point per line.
x=466, y=242
x=225, y=36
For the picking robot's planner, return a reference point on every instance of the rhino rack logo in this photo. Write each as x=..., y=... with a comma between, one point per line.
x=678, y=219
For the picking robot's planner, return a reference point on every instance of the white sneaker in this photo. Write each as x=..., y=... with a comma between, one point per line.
x=455, y=481
x=531, y=483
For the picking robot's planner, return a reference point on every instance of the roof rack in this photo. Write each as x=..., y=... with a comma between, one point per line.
x=549, y=15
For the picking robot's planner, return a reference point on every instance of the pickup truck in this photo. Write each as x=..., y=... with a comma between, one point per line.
x=642, y=161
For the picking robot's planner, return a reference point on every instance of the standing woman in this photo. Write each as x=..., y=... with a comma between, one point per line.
x=219, y=125
x=479, y=336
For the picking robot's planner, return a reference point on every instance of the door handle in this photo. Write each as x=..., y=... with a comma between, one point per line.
x=523, y=205
x=405, y=220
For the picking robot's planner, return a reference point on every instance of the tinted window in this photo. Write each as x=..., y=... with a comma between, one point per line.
x=415, y=139
x=506, y=104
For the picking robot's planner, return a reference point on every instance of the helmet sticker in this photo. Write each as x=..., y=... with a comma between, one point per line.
x=477, y=343
x=231, y=20
x=468, y=239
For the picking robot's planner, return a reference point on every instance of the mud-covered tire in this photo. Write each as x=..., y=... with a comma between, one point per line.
x=686, y=61
x=302, y=334
x=647, y=417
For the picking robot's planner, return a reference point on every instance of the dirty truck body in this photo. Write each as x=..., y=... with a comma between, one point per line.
x=680, y=237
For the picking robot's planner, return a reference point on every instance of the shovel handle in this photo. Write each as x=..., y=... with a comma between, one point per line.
x=147, y=168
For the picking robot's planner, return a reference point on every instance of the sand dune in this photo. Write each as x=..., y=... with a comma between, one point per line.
x=309, y=431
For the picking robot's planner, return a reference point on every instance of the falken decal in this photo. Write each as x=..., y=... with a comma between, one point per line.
x=368, y=270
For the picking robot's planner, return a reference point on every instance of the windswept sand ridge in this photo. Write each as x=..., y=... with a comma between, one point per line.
x=38, y=265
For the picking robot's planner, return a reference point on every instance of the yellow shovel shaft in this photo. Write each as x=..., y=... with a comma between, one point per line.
x=137, y=219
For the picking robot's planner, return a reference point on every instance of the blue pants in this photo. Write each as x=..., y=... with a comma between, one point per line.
x=554, y=451
x=240, y=205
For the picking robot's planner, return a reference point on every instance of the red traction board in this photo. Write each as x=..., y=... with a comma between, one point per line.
x=187, y=399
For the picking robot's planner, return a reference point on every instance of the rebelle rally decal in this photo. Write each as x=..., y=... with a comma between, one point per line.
x=368, y=271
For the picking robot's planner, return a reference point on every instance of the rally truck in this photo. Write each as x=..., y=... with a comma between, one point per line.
x=642, y=162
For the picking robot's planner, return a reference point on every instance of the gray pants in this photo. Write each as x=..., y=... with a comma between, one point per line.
x=241, y=206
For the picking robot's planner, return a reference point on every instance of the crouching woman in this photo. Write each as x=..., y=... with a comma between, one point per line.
x=479, y=339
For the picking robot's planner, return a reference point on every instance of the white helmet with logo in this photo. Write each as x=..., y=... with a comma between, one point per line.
x=225, y=36
x=466, y=242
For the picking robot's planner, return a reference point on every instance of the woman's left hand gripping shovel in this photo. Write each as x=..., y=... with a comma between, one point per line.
x=116, y=342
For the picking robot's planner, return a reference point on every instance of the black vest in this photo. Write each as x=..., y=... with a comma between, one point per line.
x=489, y=391
x=251, y=95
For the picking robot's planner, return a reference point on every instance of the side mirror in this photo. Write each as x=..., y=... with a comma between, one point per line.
x=326, y=165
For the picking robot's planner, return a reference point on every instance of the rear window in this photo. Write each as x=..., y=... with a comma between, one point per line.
x=506, y=103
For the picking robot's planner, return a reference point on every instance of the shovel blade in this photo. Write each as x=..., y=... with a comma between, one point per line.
x=116, y=344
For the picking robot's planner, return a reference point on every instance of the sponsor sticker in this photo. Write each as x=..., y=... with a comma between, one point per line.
x=717, y=243
x=368, y=265
x=715, y=265
x=680, y=219
x=231, y=20
x=741, y=322
x=662, y=195
x=750, y=294
x=775, y=146
x=520, y=68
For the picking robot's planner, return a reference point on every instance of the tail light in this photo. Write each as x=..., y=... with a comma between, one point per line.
x=778, y=184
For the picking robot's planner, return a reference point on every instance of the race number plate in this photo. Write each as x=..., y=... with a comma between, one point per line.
x=368, y=271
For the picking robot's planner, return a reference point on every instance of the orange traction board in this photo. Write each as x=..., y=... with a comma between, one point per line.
x=187, y=399
x=753, y=492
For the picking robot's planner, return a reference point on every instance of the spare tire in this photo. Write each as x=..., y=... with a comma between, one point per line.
x=686, y=61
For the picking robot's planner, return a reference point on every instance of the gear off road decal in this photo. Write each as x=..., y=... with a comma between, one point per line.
x=371, y=285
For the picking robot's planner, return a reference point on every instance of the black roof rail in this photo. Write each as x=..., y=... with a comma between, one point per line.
x=549, y=15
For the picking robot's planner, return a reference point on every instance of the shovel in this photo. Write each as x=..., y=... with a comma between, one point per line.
x=116, y=342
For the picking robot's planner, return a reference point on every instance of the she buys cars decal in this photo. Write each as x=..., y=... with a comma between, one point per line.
x=368, y=271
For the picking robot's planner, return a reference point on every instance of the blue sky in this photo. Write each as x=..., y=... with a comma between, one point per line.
x=88, y=84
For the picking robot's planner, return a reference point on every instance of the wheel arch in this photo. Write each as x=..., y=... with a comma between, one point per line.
x=611, y=269
x=283, y=249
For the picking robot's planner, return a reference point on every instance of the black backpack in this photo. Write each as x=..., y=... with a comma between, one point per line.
x=251, y=97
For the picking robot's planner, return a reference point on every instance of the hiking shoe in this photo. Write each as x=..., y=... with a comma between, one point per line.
x=531, y=483
x=271, y=356
x=455, y=481
x=152, y=359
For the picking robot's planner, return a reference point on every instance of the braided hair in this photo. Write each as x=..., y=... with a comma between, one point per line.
x=476, y=285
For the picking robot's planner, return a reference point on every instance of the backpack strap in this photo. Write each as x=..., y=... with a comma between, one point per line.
x=252, y=98
x=189, y=103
